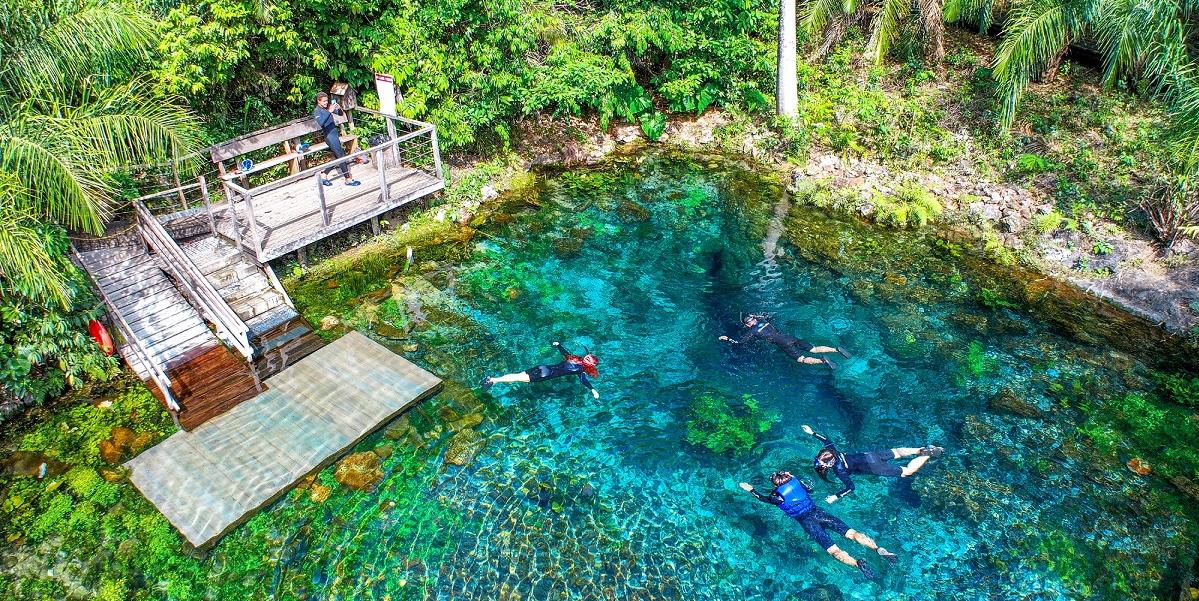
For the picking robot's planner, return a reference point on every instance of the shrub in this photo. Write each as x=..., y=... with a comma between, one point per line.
x=1178, y=389
x=1049, y=222
x=719, y=426
x=911, y=205
x=1033, y=164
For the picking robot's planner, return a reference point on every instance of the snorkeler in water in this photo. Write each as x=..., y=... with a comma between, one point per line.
x=573, y=365
x=868, y=462
x=791, y=495
x=794, y=347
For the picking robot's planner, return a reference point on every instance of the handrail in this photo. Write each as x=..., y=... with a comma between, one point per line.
x=195, y=282
x=322, y=167
x=170, y=191
x=156, y=372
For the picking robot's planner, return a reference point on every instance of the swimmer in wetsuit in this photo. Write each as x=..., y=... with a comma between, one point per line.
x=794, y=347
x=867, y=462
x=573, y=365
x=790, y=494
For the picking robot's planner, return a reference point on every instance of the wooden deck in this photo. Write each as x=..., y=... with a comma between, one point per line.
x=289, y=218
x=208, y=481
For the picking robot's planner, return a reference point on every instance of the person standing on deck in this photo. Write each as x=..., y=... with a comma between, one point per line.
x=791, y=495
x=323, y=113
x=572, y=365
x=794, y=347
x=866, y=462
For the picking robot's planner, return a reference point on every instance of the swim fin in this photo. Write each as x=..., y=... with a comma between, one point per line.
x=487, y=383
x=844, y=353
x=887, y=555
x=867, y=571
x=830, y=364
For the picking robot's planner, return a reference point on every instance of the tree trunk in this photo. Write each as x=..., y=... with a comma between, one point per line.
x=787, y=94
x=932, y=14
x=1055, y=63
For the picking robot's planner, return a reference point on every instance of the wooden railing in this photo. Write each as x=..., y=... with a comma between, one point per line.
x=157, y=372
x=194, y=283
x=416, y=148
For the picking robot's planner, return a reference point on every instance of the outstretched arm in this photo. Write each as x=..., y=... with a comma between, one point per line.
x=743, y=339
x=843, y=475
x=561, y=349
x=773, y=498
x=826, y=441
x=583, y=379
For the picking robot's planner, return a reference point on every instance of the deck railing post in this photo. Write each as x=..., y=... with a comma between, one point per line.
x=208, y=205
x=320, y=195
x=436, y=154
x=253, y=224
x=383, y=195
x=392, y=135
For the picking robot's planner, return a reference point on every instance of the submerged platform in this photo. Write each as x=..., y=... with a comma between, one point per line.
x=209, y=480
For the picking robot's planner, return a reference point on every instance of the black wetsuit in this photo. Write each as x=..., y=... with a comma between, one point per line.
x=794, y=347
x=814, y=520
x=565, y=368
x=324, y=120
x=875, y=462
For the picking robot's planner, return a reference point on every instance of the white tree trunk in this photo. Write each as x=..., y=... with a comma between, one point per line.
x=787, y=94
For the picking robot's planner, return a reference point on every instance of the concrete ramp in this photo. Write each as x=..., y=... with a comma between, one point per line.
x=211, y=479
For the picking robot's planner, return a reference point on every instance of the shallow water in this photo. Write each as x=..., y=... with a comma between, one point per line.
x=646, y=264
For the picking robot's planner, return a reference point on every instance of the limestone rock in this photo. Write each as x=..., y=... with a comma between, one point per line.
x=1006, y=401
x=1187, y=486
x=319, y=493
x=329, y=322
x=28, y=463
x=463, y=447
x=466, y=422
x=359, y=471
x=824, y=592
x=384, y=451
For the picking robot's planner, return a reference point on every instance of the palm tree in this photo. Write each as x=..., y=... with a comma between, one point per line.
x=829, y=21
x=65, y=127
x=787, y=93
x=1137, y=39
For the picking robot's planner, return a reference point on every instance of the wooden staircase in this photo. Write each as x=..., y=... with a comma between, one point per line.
x=160, y=334
x=279, y=335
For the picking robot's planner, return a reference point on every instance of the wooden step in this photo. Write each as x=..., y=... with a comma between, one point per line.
x=231, y=274
x=251, y=307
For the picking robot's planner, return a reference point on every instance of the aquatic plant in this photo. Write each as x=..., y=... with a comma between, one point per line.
x=977, y=362
x=723, y=426
x=1178, y=388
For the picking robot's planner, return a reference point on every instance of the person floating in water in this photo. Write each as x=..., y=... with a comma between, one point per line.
x=794, y=347
x=573, y=365
x=791, y=495
x=868, y=462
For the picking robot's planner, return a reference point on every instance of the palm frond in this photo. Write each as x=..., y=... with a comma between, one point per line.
x=885, y=28
x=815, y=15
x=932, y=22
x=1130, y=32
x=58, y=188
x=25, y=265
x=73, y=46
x=1035, y=32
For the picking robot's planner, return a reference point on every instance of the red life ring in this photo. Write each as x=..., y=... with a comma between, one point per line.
x=100, y=335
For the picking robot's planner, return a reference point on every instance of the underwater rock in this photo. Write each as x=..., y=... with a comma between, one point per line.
x=964, y=491
x=1006, y=401
x=895, y=279
x=1138, y=466
x=824, y=592
x=631, y=210
x=114, y=475
x=28, y=463
x=359, y=471
x=329, y=322
x=567, y=247
x=975, y=429
x=319, y=493
x=1186, y=485
x=463, y=447
x=384, y=451
x=389, y=331
x=968, y=320
x=466, y=422
x=123, y=442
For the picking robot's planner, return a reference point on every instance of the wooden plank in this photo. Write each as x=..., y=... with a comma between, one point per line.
x=161, y=289
x=262, y=138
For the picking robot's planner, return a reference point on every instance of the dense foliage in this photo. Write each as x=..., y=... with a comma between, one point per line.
x=724, y=425
x=473, y=68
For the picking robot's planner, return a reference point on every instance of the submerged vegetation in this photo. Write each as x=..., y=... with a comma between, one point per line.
x=724, y=425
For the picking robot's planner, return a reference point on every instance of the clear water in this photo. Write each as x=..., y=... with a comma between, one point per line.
x=573, y=498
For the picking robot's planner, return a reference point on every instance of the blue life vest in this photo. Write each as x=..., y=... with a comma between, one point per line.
x=796, y=501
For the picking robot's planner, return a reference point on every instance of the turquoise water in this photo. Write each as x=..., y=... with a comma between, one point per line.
x=646, y=264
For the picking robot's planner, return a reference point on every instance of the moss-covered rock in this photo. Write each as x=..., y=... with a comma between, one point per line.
x=360, y=471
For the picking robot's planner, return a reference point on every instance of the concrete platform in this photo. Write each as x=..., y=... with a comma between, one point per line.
x=213, y=478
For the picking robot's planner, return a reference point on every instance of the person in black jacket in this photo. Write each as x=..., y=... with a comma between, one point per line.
x=323, y=113
x=794, y=347
x=875, y=462
x=572, y=365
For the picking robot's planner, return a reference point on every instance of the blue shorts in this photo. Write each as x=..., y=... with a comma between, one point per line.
x=817, y=522
x=874, y=462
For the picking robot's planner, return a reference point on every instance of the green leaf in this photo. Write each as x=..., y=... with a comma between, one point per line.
x=653, y=125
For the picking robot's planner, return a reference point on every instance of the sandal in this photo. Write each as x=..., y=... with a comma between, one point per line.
x=353, y=182
x=326, y=182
